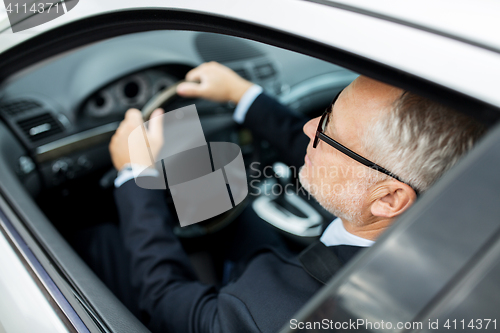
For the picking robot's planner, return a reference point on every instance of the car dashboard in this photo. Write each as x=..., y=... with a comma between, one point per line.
x=65, y=110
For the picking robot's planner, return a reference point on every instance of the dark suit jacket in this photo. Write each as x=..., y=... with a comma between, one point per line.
x=272, y=121
x=273, y=287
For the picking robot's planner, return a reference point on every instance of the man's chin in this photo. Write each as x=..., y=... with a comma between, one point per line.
x=331, y=204
x=305, y=181
x=302, y=178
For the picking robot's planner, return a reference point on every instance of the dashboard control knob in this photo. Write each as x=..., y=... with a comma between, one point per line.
x=60, y=167
x=26, y=164
x=84, y=162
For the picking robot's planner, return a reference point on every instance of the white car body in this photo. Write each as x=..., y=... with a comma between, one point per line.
x=419, y=39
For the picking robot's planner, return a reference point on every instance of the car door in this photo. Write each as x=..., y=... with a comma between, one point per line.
x=360, y=50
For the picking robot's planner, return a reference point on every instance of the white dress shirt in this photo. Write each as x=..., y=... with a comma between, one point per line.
x=245, y=102
x=335, y=234
x=126, y=174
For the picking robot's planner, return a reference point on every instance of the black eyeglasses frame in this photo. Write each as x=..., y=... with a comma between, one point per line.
x=320, y=135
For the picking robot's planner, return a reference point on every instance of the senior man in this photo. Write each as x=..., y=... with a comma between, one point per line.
x=367, y=158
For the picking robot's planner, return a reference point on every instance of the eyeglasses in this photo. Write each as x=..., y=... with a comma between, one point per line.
x=320, y=135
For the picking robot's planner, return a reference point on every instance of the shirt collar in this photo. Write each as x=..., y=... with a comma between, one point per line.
x=335, y=234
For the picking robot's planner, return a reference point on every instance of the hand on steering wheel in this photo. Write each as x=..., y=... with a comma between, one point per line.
x=119, y=145
x=216, y=82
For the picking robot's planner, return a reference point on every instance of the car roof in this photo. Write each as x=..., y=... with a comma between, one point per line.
x=473, y=21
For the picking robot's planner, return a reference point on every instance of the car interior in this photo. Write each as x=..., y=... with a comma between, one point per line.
x=58, y=115
x=64, y=111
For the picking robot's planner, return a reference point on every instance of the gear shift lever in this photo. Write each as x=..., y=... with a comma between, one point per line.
x=283, y=176
x=283, y=173
x=285, y=210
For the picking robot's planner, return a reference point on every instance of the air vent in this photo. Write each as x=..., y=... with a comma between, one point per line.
x=264, y=71
x=222, y=48
x=40, y=127
x=243, y=73
x=17, y=107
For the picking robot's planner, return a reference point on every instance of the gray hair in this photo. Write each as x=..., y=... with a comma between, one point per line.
x=419, y=139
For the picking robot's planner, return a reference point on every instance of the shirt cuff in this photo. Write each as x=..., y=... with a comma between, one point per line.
x=245, y=102
x=126, y=174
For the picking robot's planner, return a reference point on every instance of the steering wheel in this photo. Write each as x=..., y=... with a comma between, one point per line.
x=162, y=97
x=208, y=226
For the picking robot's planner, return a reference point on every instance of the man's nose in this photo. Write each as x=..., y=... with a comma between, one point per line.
x=310, y=127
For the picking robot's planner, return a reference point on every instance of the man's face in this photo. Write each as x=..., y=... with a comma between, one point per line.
x=339, y=183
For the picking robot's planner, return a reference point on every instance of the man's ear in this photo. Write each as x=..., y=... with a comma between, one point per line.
x=391, y=198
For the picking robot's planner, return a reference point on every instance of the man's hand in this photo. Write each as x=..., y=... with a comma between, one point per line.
x=217, y=83
x=119, y=145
